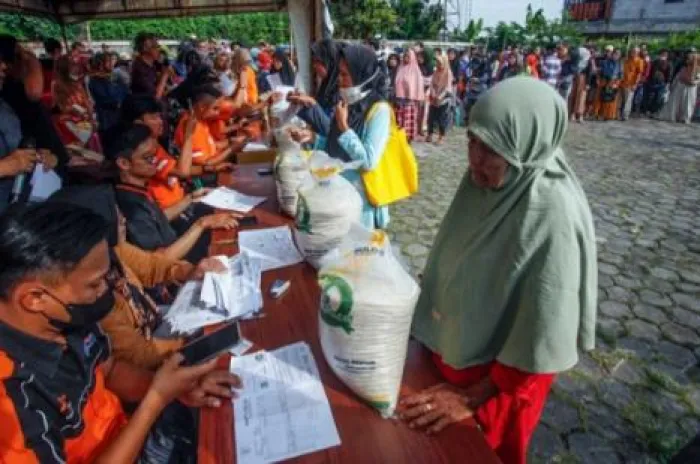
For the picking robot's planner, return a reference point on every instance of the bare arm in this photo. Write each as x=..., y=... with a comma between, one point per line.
x=184, y=244
x=162, y=83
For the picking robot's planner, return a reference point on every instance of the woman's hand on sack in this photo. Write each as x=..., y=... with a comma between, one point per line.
x=219, y=221
x=207, y=265
x=341, y=116
x=302, y=135
x=436, y=408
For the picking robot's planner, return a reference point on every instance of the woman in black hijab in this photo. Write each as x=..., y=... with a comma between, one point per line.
x=283, y=68
x=318, y=112
x=361, y=126
x=325, y=56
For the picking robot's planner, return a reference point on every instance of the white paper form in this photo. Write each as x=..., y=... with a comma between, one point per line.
x=282, y=411
x=226, y=198
x=188, y=313
x=44, y=183
x=237, y=290
x=274, y=247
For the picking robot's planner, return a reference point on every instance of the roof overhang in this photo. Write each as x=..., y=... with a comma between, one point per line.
x=74, y=11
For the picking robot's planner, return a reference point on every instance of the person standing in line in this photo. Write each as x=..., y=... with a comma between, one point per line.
x=410, y=94
x=501, y=330
x=607, y=102
x=582, y=67
x=441, y=94
x=632, y=73
x=646, y=74
x=551, y=67
x=426, y=67
x=684, y=92
x=657, y=86
x=533, y=62
x=568, y=71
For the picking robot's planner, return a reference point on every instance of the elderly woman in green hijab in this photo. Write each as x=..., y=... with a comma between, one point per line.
x=509, y=290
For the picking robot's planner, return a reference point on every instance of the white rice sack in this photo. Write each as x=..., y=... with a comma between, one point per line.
x=328, y=206
x=367, y=304
x=291, y=170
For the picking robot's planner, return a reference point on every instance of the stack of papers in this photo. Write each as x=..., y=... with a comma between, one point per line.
x=282, y=411
x=274, y=247
x=226, y=198
x=188, y=313
x=238, y=290
x=220, y=297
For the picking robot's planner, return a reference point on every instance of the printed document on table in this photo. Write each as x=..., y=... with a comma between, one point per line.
x=188, y=313
x=282, y=411
x=226, y=198
x=255, y=146
x=274, y=247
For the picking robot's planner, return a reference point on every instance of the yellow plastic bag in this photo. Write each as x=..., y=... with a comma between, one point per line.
x=396, y=175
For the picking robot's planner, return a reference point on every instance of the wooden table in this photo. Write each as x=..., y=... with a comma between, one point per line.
x=365, y=437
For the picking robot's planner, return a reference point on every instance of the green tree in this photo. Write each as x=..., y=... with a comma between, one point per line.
x=470, y=33
x=361, y=19
x=417, y=19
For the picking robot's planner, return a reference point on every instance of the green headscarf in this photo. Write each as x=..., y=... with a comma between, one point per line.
x=512, y=275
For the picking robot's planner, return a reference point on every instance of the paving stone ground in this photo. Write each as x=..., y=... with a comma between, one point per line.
x=636, y=398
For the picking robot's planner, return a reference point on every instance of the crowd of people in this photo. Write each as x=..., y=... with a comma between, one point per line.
x=508, y=293
x=432, y=89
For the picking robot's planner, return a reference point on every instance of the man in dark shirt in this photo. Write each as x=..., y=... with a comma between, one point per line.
x=657, y=85
x=147, y=225
x=60, y=390
x=145, y=77
x=14, y=160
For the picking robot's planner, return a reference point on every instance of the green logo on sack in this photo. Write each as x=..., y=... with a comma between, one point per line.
x=303, y=216
x=336, y=302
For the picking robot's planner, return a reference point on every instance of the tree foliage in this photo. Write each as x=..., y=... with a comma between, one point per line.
x=249, y=27
x=362, y=19
x=417, y=19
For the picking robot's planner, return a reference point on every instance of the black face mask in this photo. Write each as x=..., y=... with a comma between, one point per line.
x=84, y=315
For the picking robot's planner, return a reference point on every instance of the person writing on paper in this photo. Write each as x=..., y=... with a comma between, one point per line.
x=134, y=325
x=501, y=329
x=147, y=225
x=166, y=186
x=61, y=391
x=361, y=127
x=205, y=109
x=15, y=161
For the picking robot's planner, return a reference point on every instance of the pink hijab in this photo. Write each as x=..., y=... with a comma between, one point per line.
x=409, y=80
x=442, y=80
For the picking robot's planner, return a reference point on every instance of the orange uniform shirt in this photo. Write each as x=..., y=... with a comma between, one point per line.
x=203, y=144
x=54, y=405
x=165, y=189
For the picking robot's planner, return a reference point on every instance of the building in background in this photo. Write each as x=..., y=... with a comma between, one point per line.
x=621, y=17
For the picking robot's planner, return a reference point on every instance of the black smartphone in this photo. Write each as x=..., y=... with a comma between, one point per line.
x=211, y=345
x=265, y=172
x=248, y=221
